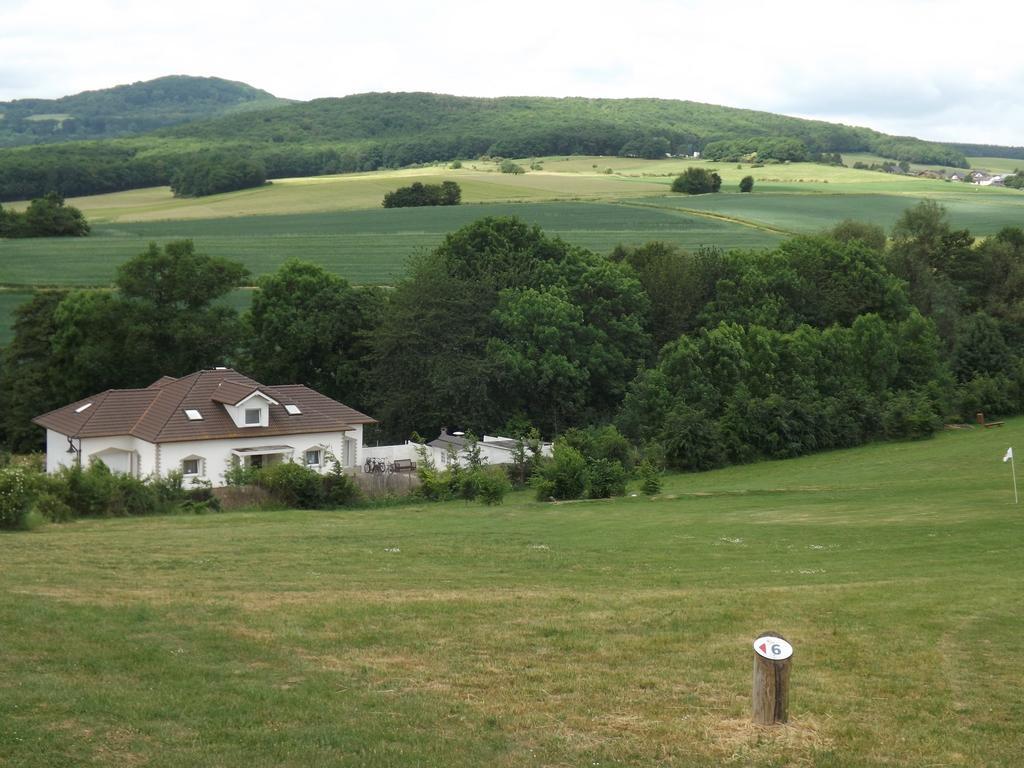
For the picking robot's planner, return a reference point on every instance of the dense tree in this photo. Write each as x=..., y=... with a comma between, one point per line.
x=419, y=194
x=501, y=322
x=738, y=393
x=45, y=216
x=697, y=181
x=69, y=345
x=212, y=172
x=29, y=385
x=311, y=327
x=847, y=230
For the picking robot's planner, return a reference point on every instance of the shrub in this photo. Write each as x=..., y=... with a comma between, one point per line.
x=602, y=443
x=697, y=181
x=238, y=473
x=650, y=479
x=492, y=484
x=747, y=184
x=15, y=498
x=52, y=507
x=909, y=414
x=507, y=166
x=564, y=476
x=292, y=484
x=605, y=478
x=418, y=194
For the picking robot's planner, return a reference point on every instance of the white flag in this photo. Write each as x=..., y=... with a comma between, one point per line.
x=1009, y=455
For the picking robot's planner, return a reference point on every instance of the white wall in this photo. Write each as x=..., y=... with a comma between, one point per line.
x=215, y=455
x=141, y=464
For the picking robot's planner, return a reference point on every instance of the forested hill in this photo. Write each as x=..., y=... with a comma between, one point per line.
x=126, y=110
x=421, y=127
x=390, y=130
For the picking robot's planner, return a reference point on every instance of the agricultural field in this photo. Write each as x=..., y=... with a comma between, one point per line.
x=983, y=211
x=368, y=246
x=594, y=202
x=607, y=633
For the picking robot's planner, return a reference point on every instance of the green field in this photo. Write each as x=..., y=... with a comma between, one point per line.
x=977, y=209
x=369, y=246
x=337, y=221
x=606, y=633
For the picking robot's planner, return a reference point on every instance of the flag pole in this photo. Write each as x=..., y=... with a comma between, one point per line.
x=1013, y=469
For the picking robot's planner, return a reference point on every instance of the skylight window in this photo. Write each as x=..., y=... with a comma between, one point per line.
x=292, y=409
x=81, y=408
x=193, y=414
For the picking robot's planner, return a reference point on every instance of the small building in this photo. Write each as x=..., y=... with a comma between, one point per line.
x=201, y=425
x=494, y=449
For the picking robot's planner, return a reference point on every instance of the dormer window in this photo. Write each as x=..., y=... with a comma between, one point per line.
x=252, y=416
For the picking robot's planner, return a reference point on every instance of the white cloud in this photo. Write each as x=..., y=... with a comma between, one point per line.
x=939, y=69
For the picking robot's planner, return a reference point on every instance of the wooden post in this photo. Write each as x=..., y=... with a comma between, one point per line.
x=772, y=659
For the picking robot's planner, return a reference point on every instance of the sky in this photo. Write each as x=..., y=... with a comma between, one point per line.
x=936, y=69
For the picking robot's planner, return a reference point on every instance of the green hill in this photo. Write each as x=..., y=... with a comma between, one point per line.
x=126, y=110
x=389, y=130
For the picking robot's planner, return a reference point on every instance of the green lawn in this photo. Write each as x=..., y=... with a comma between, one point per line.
x=369, y=246
x=604, y=633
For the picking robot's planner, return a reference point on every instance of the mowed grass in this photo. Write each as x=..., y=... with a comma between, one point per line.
x=368, y=247
x=604, y=633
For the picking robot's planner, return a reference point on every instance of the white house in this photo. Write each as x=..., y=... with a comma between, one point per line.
x=202, y=424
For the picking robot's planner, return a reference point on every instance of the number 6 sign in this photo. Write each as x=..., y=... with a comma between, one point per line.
x=773, y=648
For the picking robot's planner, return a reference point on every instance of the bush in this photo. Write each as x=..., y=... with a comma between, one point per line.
x=507, y=166
x=909, y=414
x=492, y=484
x=239, y=473
x=697, y=181
x=602, y=443
x=605, y=478
x=292, y=484
x=52, y=507
x=15, y=498
x=747, y=184
x=564, y=476
x=650, y=479
x=418, y=194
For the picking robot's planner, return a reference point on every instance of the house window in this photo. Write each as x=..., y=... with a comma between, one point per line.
x=313, y=457
x=190, y=467
x=252, y=415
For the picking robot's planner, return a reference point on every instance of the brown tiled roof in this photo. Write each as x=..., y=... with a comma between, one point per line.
x=232, y=392
x=157, y=413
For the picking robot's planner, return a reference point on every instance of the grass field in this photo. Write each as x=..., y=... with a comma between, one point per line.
x=369, y=246
x=605, y=633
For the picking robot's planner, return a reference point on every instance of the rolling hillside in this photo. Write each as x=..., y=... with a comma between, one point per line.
x=126, y=110
x=370, y=131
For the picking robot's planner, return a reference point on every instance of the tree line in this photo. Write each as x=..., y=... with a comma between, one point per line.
x=47, y=216
x=367, y=132
x=698, y=358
